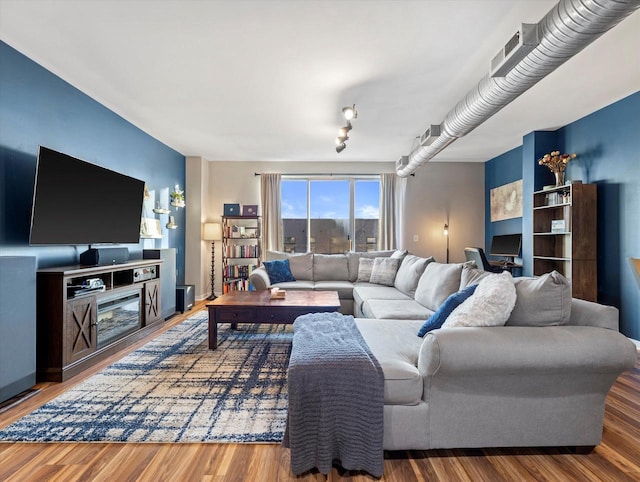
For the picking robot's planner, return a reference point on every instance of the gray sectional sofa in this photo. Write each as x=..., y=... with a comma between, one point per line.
x=328, y=272
x=539, y=380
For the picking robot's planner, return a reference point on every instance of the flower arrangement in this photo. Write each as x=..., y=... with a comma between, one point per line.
x=555, y=161
x=177, y=197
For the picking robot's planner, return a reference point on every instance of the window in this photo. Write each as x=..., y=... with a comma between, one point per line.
x=330, y=216
x=367, y=214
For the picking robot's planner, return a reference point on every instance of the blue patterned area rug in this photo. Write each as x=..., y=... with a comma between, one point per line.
x=174, y=389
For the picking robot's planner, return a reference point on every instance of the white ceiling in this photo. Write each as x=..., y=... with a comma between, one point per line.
x=265, y=80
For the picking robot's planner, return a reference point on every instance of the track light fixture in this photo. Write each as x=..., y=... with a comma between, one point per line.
x=343, y=133
x=350, y=112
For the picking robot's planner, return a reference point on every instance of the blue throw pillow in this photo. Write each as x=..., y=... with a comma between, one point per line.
x=278, y=271
x=436, y=320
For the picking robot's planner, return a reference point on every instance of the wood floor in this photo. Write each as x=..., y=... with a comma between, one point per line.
x=617, y=458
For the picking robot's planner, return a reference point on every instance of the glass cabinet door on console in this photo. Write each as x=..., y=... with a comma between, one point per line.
x=118, y=316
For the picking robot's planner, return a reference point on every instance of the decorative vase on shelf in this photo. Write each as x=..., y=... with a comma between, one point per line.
x=559, y=178
x=557, y=163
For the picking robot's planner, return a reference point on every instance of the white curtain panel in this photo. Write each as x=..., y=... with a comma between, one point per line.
x=401, y=189
x=392, y=191
x=271, y=198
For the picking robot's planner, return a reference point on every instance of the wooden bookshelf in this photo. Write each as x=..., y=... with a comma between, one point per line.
x=565, y=236
x=241, y=251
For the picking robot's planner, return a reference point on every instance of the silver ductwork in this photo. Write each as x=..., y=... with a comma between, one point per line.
x=568, y=28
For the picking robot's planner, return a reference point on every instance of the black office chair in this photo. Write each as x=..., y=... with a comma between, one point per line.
x=477, y=255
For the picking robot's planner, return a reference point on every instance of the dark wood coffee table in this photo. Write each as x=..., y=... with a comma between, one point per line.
x=258, y=307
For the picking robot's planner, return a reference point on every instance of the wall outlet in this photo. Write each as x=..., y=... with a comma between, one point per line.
x=415, y=238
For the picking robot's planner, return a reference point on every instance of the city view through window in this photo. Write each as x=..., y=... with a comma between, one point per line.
x=330, y=216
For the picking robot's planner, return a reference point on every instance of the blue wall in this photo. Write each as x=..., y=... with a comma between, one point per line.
x=39, y=108
x=501, y=170
x=608, y=146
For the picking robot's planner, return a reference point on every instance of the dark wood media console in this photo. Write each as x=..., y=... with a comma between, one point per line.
x=78, y=326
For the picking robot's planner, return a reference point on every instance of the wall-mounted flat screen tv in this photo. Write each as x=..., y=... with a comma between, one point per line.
x=76, y=202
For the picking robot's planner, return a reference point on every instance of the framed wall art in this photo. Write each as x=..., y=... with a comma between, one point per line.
x=506, y=201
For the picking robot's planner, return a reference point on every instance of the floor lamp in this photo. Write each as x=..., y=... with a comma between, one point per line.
x=446, y=235
x=212, y=232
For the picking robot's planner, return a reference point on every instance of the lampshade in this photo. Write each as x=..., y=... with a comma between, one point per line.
x=212, y=232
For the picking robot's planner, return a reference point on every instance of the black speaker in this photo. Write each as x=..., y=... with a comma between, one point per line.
x=104, y=256
x=185, y=297
x=167, y=278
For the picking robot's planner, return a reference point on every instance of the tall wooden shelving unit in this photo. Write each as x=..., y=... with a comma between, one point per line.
x=570, y=249
x=241, y=251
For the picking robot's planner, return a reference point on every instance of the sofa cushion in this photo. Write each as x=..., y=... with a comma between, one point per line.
x=353, y=260
x=399, y=254
x=384, y=271
x=490, y=305
x=344, y=288
x=395, y=309
x=278, y=271
x=436, y=320
x=328, y=267
x=364, y=269
x=295, y=285
x=396, y=347
x=542, y=301
x=365, y=291
x=409, y=273
x=301, y=264
x=368, y=291
x=437, y=283
x=471, y=275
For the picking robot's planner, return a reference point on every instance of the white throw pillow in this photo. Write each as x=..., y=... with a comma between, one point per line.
x=490, y=305
x=384, y=271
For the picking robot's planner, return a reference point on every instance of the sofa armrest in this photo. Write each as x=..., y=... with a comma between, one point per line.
x=520, y=386
x=526, y=349
x=588, y=313
x=259, y=278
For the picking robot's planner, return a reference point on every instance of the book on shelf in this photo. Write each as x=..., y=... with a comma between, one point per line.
x=241, y=251
x=237, y=285
x=553, y=198
x=238, y=270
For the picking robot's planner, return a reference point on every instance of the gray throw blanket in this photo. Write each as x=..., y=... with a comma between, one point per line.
x=336, y=397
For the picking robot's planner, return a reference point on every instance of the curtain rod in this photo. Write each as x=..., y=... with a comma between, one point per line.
x=326, y=174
